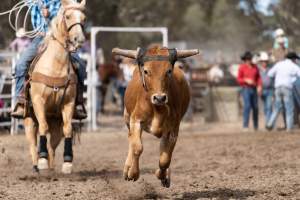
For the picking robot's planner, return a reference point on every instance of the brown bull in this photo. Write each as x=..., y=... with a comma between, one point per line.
x=156, y=99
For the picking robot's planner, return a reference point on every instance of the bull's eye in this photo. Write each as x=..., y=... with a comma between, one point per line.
x=68, y=17
x=169, y=72
x=146, y=72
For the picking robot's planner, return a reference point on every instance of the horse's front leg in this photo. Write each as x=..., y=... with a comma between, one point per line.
x=40, y=112
x=67, y=113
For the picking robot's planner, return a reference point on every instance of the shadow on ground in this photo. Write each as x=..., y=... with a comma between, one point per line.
x=219, y=194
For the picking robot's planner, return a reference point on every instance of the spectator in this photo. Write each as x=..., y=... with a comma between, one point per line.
x=20, y=43
x=267, y=85
x=280, y=47
x=127, y=69
x=215, y=74
x=250, y=81
x=280, y=34
x=285, y=74
x=280, y=52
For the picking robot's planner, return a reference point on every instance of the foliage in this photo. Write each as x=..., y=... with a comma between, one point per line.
x=214, y=24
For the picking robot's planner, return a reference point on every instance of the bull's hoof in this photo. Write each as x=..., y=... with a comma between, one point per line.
x=166, y=182
x=35, y=169
x=132, y=175
x=43, y=164
x=67, y=168
x=164, y=176
x=125, y=172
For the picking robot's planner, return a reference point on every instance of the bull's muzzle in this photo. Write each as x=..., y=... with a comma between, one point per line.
x=159, y=99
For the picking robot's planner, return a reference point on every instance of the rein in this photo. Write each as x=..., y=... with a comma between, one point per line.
x=142, y=58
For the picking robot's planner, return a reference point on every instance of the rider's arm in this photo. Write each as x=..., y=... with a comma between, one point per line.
x=53, y=8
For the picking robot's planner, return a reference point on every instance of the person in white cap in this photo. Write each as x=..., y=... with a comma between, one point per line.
x=279, y=33
x=20, y=42
x=267, y=84
x=281, y=51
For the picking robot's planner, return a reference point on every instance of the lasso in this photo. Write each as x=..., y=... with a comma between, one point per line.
x=14, y=16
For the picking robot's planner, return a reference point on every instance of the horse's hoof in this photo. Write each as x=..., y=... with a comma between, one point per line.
x=35, y=169
x=43, y=164
x=67, y=168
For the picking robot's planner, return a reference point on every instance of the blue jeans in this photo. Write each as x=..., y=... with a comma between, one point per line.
x=250, y=103
x=29, y=54
x=24, y=62
x=267, y=97
x=283, y=99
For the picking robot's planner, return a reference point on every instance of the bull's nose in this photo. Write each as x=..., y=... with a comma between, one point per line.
x=160, y=99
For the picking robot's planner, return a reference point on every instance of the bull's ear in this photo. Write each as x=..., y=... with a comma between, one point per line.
x=187, y=53
x=126, y=53
x=83, y=3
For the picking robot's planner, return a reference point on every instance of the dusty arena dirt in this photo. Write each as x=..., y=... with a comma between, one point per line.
x=210, y=162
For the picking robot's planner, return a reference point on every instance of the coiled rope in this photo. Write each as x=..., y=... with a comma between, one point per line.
x=14, y=16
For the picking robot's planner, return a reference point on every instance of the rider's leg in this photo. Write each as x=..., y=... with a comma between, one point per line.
x=21, y=68
x=80, y=112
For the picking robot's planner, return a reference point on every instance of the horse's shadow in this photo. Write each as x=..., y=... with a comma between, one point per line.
x=219, y=194
x=79, y=176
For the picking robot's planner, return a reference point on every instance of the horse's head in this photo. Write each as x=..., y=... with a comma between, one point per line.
x=69, y=23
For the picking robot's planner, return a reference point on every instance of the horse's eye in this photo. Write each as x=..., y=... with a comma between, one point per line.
x=68, y=17
x=146, y=72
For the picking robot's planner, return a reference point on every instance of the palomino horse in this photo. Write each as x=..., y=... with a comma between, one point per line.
x=53, y=88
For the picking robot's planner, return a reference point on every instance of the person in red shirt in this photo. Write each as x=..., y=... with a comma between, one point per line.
x=251, y=83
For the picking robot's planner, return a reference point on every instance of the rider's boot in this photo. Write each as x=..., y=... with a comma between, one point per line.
x=80, y=111
x=19, y=109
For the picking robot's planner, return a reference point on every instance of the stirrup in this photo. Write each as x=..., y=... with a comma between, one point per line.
x=19, y=111
x=80, y=114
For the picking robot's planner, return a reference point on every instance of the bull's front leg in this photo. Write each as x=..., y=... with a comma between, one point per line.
x=131, y=169
x=167, y=145
x=67, y=114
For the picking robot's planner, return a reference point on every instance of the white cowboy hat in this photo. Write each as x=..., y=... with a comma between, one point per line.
x=279, y=32
x=20, y=33
x=263, y=56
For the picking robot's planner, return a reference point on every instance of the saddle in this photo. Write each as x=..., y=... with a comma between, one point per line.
x=52, y=82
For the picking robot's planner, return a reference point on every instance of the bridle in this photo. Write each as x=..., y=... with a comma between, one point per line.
x=142, y=58
x=75, y=24
x=67, y=42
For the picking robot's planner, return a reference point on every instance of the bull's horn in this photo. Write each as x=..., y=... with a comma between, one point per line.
x=66, y=2
x=127, y=53
x=83, y=3
x=187, y=53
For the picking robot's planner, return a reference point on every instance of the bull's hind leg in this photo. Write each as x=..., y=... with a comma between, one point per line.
x=67, y=114
x=131, y=169
x=167, y=145
x=31, y=135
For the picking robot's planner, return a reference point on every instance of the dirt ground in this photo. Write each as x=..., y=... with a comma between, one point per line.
x=209, y=162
